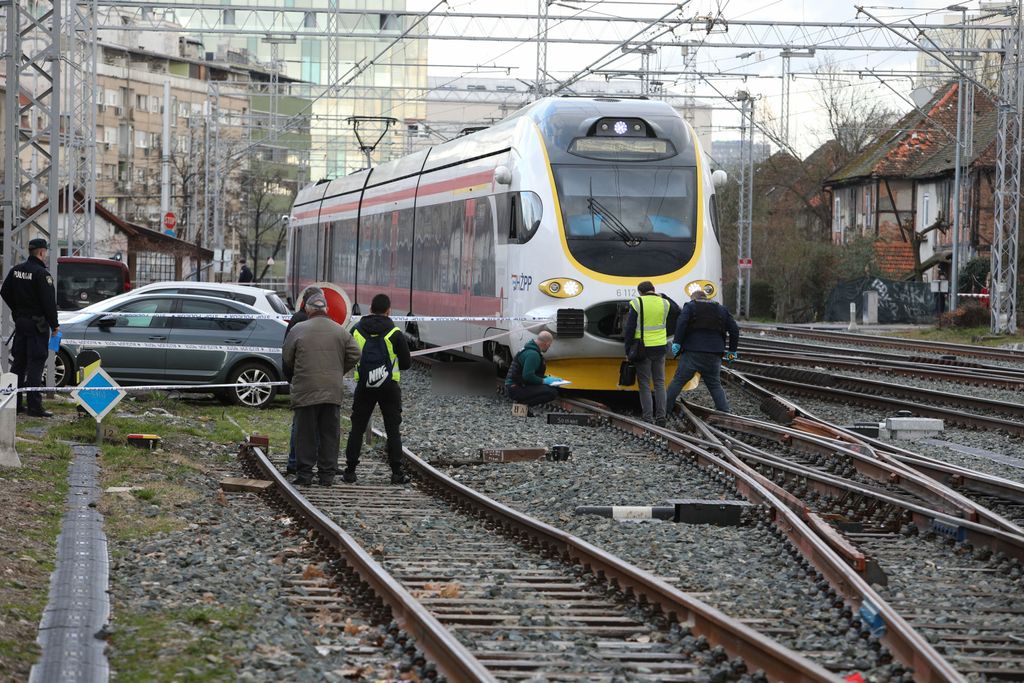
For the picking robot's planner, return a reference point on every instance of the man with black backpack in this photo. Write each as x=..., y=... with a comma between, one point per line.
x=384, y=353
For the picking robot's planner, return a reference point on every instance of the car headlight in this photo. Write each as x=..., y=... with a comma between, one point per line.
x=561, y=287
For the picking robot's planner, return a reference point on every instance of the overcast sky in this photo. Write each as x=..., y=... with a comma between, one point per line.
x=805, y=115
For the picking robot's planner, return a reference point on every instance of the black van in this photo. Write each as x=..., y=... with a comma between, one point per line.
x=84, y=281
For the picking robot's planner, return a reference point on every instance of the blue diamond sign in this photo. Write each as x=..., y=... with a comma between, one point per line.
x=100, y=395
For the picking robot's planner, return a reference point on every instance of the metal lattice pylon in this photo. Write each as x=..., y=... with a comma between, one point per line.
x=1008, y=184
x=31, y=131
x=744, y=222
x=78, y=166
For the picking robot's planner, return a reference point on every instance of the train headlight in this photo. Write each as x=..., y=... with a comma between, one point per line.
x=561, y=287
x=707, y=285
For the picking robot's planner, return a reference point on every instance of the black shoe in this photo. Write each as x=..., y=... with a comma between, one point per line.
x=39, y=413
x=661, y=422
x=289, y=471
x=348, y=476
x=302, y=481
x=326, y=481
x=399, y=478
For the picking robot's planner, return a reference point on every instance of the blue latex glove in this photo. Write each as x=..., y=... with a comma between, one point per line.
x=54, y=343
x=551, y=379
x=731, y=356
x=676, y=348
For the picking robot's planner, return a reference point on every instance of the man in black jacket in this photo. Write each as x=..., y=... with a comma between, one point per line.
x=384, y=354
x=29, y=292
x=701, y=337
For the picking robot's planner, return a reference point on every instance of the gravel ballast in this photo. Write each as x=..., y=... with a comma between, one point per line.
x=745, y=571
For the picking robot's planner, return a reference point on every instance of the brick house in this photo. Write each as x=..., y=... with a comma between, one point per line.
x=899, y=190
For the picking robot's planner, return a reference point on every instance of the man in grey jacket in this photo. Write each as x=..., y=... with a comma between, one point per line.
x=317, y=353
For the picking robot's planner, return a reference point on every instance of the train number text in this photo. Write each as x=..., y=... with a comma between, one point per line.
x=521, y=282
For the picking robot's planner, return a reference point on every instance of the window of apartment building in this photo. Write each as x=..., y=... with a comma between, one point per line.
x=109, y=135
x=140, y=103
x=309, y=20
x=389, y=22
x=310, y=70
x=140, y=176
x=183, y=110
x=112, y=98
x=141, y=139
x=110, y=171
x=228, y=17
x=156, y=140
x=154, y=104
x=181, y=144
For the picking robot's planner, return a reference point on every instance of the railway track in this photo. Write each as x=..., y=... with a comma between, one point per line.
x=955, y=582
x=490, y=594
x=844, y=360
x=957, y=409
x=961, y=591
x=878, y=341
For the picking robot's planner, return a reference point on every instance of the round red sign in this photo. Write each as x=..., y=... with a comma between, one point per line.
x=170, y=220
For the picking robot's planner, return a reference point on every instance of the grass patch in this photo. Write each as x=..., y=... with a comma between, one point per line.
x=33, y=499
x=979, y=336
x=188, y=644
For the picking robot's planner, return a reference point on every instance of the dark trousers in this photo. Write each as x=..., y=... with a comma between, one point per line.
x=389, y=398
x=532, y=394
x=30, y=351
x=317, y=437
x=292, y=460
x=709, y=365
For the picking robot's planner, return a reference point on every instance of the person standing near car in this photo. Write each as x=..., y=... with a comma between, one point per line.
x=317, y=353
x=646, y=340
x=245, y=275
x=298, y=317
x=29, y=292
x=701, y=338
x=384, y=353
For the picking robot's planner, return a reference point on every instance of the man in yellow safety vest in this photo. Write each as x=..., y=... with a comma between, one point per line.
x=646, y=344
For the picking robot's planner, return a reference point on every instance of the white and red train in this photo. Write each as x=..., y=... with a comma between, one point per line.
x=555, y=213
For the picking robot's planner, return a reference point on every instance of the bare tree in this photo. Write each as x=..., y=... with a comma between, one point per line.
x=267, y=195
x=853, y=120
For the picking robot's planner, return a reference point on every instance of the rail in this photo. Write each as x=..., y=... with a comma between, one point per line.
x=907, y=645
x=758, y=651
x=450, y=656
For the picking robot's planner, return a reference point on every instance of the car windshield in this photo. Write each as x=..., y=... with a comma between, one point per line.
x=628, y=219
x=82, y=284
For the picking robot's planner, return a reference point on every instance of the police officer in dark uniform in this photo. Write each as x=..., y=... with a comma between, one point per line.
x=29, y=292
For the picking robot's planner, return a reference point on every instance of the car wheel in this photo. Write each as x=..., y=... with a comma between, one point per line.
x=253, y=397
x=63, y=369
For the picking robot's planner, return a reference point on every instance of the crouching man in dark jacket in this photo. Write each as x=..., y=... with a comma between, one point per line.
x=526, y=382
x=316, y=354
x=384, y=354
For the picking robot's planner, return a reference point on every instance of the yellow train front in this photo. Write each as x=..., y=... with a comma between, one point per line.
x=554, y=214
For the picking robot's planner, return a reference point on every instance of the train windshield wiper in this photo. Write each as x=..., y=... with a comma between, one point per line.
x=616, y=225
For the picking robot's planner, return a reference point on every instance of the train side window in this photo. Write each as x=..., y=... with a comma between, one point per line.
x=524, y=214
x=714, y=217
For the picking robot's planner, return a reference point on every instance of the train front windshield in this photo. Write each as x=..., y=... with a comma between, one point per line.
x=629, y=220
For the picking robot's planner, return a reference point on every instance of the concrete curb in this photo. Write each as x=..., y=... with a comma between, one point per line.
x=79, y=605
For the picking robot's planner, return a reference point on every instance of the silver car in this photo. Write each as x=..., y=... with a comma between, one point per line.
x=249, y=350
